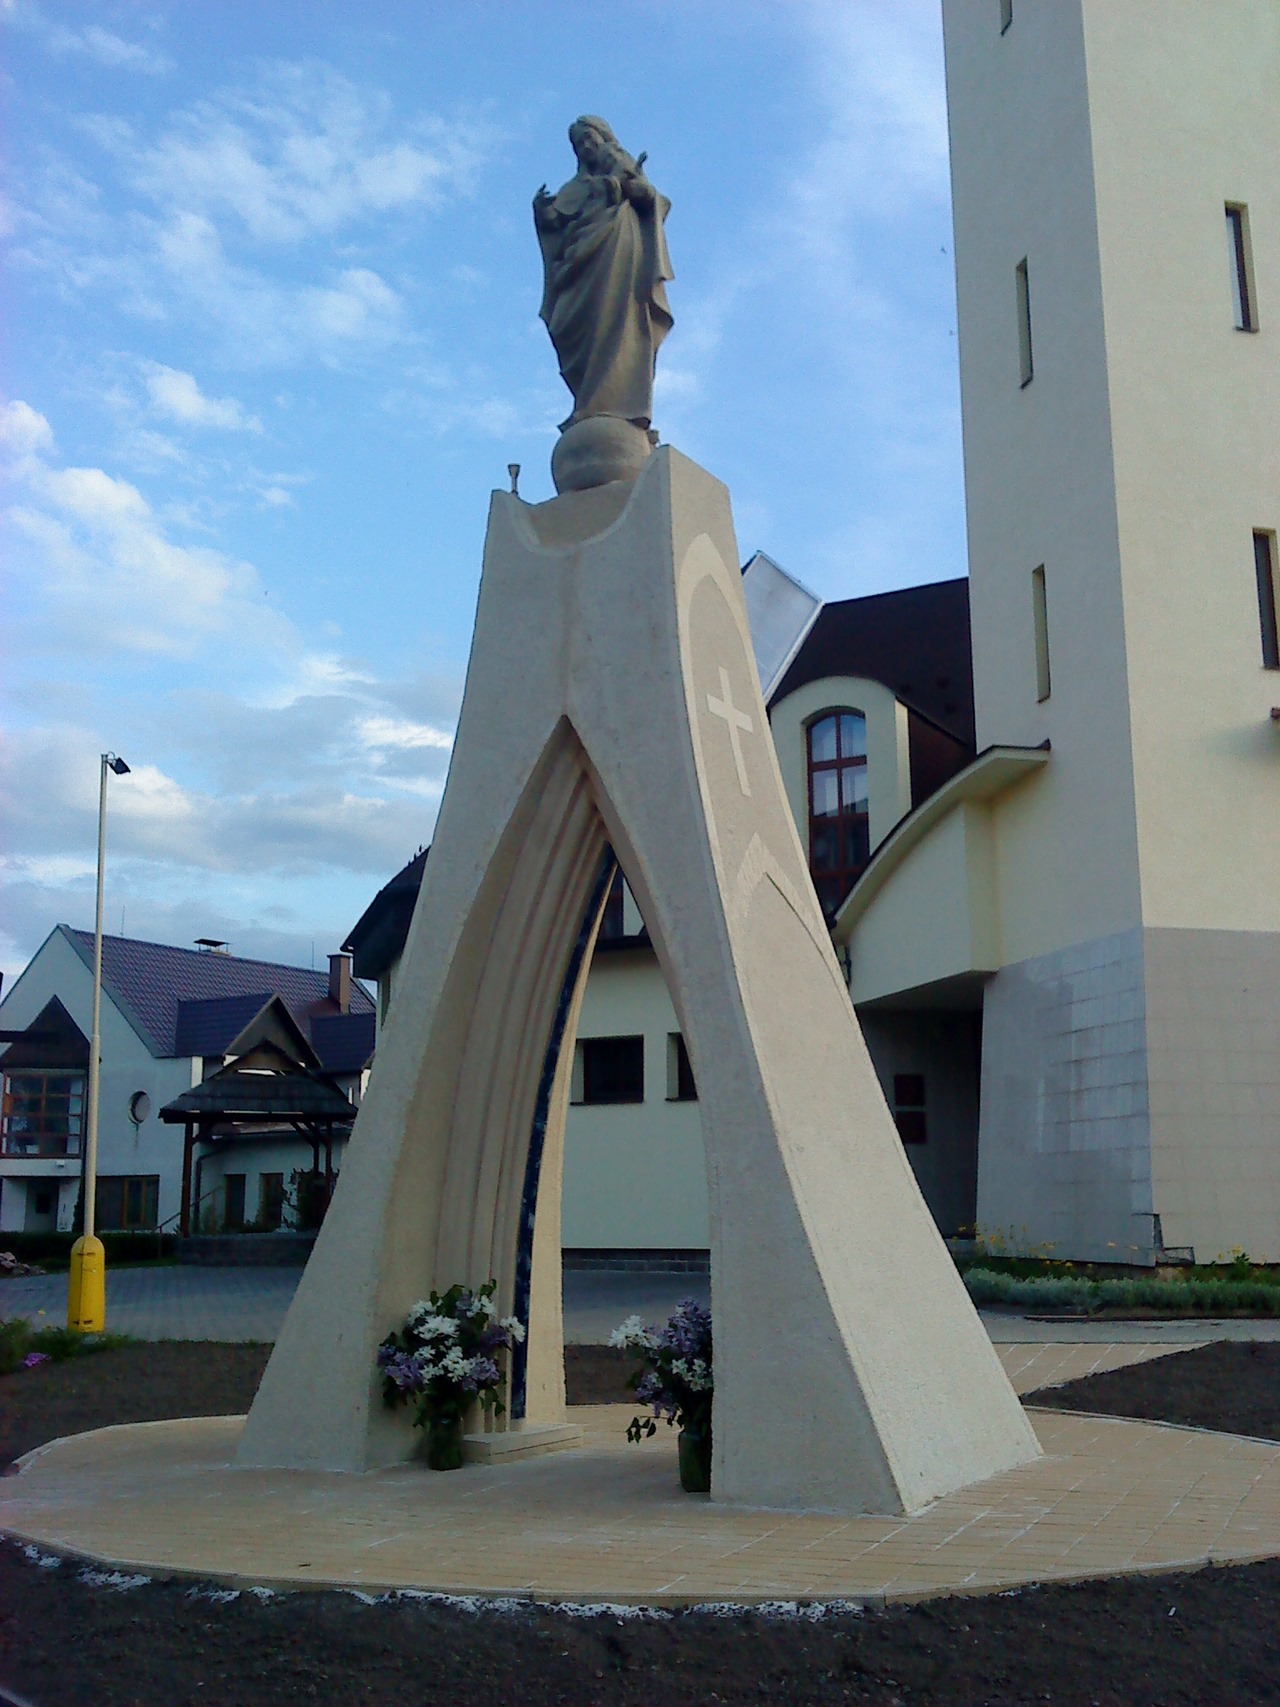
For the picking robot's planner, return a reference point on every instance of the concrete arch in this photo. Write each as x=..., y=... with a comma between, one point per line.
x=612, y=698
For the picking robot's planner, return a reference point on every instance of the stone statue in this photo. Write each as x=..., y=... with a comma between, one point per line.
x=605, y=264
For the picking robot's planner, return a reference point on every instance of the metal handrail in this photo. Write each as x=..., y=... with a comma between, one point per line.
x=213, y=1191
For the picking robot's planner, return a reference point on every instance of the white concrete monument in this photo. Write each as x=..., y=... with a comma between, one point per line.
x=612, y=702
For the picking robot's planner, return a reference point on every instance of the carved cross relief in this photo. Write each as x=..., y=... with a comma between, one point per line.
x=738, y=723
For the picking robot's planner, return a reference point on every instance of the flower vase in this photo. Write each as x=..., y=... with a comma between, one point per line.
x=442, y=1447
x=695, y=1460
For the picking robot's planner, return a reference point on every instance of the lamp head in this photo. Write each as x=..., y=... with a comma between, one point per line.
x=117, y=764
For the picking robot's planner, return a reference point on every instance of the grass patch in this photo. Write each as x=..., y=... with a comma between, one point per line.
x=20, y=1343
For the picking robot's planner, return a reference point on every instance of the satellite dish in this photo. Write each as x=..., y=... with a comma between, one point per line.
x=139, y=1107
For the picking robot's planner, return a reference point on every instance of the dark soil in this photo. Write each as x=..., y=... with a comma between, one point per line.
x=132, y=1383
x=1207, y=1637
x=1233, y=1386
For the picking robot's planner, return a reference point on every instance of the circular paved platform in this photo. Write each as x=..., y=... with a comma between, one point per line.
x=609, y=1522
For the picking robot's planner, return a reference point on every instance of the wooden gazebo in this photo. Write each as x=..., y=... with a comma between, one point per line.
x=264, y=1090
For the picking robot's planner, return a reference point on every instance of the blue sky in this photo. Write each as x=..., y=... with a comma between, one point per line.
x=272, y=336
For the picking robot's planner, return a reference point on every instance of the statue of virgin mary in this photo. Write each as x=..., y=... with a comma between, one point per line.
x=605, y=263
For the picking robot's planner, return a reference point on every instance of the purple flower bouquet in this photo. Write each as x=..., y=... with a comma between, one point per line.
x=443, y=1359
x=675, y=1381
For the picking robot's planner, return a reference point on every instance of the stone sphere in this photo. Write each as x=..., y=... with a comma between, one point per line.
x=597, y=450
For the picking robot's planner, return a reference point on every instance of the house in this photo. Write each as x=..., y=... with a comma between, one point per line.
x=173, y=1019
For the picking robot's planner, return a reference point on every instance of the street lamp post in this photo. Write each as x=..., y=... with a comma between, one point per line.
x=87, y=1292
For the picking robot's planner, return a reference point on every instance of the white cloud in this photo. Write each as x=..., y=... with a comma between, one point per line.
x=262, y=764
x=878, y=76
x=305, y=152
x=321, y=817
x=101, y=571
x=178, y=396
x=401, y=732
x=103, y=46
x=236, y=206
x=359, y=305
x=23, y=430
x=108, y=49
x=95, y=497
x=269, y=321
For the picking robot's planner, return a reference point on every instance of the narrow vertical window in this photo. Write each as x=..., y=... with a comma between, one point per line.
x=1025, y=366
x=1240, y=258
x=1264, y=558
x=1006, y=15
x=1040, y=612
x=839, y=825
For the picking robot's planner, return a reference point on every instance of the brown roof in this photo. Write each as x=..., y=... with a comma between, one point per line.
x=915, y=641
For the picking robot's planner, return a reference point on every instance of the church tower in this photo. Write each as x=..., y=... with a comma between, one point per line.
x=1117, y=239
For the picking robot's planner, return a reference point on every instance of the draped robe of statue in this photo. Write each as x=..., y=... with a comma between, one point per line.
x=606, y=265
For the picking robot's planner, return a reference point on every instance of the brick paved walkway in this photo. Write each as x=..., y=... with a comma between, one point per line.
x=608, y=1521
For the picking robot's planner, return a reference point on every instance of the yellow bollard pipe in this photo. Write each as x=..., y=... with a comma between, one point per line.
x=87, y=1291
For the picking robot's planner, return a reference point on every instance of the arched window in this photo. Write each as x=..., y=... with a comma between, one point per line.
x=839, y=837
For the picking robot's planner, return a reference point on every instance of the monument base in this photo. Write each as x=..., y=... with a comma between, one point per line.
x=518, y=1442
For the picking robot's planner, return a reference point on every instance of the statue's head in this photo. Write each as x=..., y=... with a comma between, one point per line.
x=597, y=148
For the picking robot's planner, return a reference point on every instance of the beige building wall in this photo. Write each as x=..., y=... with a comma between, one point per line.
x=1099, y=142
x=1186, y=119
x=1039, y=473
x=635, y=1174
x=936, y=918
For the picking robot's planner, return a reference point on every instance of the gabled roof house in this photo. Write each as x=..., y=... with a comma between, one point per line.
x=172, y=1019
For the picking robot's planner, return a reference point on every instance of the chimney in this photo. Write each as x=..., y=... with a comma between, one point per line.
x=340, y=981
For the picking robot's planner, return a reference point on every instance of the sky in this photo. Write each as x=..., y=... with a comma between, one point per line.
x=271, y=337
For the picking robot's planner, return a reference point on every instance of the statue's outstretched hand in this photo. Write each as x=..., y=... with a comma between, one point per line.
x=544, y=204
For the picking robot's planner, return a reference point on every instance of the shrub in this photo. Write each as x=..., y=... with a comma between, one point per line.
x=53, y=1250
x=1056, y=1292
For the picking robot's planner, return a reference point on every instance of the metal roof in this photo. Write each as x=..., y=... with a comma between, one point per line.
x=207, y=1026
x=780, y=612
x=151, y=982
x=344, y=1042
